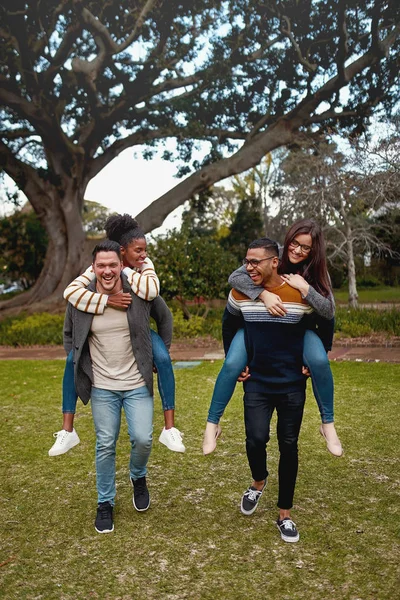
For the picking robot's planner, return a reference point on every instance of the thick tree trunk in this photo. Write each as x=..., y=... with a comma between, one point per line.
x=66, y=253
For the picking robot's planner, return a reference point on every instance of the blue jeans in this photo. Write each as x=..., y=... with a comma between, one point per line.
x=234, y=363
x=165, y=372
x=316, y=359
x=69, y=395
x=106, y=411
x=165, y=377
x=314, y=356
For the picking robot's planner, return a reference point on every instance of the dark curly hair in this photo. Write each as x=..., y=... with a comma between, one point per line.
x=123, y=229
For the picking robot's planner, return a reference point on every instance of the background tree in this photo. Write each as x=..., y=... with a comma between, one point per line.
x=210, y=212
x=343, y=192
x=246, y=226
x=94, y=217
x=23, y=243
x=191, y=266
x=82, y=81
x=388, y=230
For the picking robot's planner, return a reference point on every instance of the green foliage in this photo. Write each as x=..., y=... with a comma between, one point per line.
x=187, y=328
x=362, y=322
x=94, y=216
x=368, y=281
x=37, y=329
x=210, y=212
x=46, y=329
x=191, y=266
x=24, y=244
x=246, y=227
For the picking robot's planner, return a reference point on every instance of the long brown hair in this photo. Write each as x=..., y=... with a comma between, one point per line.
x=313, y=268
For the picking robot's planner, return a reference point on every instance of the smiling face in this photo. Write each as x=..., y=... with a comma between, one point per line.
x=134, y=254
x=264, y=265
x=299, y=248
x=107, y=267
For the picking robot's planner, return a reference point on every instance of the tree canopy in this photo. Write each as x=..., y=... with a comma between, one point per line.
x=82, y=81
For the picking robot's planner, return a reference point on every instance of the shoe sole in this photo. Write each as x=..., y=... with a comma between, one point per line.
x=104, y=530
x=247, y=512
x=290, y=540
x=172, y=449
x=286, y=538
x=140, y=509
x=64, y=451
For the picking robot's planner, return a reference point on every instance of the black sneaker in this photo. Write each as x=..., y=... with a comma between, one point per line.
x=141, y=497
x=288, y=530
x=104, y=518
x=250, y=500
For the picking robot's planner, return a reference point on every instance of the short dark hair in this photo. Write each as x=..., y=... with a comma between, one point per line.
x=270, y=246
x=107, y=246
x=123, y=229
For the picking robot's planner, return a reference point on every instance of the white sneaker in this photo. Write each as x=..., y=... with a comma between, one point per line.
x=172, y=438
x=65, y=440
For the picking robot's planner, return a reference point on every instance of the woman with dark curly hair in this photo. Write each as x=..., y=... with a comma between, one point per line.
x=144, y=282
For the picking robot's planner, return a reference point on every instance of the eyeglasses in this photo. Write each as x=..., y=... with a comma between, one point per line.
x=305, y=249
x=254, y=262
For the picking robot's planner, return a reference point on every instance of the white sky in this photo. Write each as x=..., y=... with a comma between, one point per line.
x=129, y=183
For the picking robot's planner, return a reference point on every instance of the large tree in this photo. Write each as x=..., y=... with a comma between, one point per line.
x=80, y=81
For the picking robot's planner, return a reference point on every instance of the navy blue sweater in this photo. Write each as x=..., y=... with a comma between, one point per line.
x=274, y=344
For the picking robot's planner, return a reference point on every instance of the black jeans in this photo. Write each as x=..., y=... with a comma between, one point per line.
x=258, y=409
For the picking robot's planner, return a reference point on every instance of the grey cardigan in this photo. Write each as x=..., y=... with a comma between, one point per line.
x=77, y=328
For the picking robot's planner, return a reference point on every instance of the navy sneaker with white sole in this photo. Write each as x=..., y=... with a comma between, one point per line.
x=250, y=500
x=288, y=530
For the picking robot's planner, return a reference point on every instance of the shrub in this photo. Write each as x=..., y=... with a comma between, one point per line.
x=368, y=281
x=47, y=329
x=40, y=329
x=187, y=328
x=354, y=330
x=363, y=321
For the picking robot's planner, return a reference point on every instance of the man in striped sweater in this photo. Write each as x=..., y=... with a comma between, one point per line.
x=273, y=379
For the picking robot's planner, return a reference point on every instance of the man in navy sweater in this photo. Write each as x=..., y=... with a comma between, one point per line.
x=276, y=381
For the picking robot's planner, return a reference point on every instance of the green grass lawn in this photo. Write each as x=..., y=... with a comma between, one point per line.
x=194, y=543
x=375, y=295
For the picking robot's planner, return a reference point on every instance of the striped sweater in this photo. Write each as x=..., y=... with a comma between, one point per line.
x=144, y=284
x=274, y=344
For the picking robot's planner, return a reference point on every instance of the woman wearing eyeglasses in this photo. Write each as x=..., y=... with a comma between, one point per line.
x=303, y=266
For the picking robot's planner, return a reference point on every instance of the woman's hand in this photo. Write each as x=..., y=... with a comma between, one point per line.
x=244, y=375
x=273, y=304
x=120, y=301
x=298, y=282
